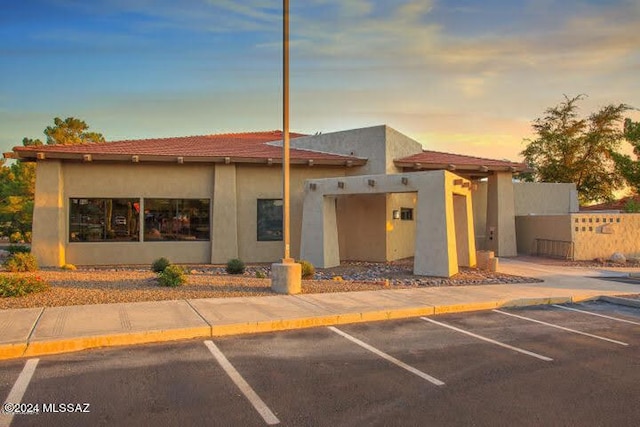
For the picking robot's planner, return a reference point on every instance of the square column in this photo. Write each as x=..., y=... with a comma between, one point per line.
x=501, y=222
x=224, y=217
x=49, y=219
x=319, y=240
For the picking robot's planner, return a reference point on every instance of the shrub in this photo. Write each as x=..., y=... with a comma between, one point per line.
x=20, y=262
x=17, y=286
x=260, y=274
x=235, y=266
x=16, y=237
x=70, y=267
x=159, y=265
x=308, y=270
x=172, y=275
x=27, y=237
x=14, y=249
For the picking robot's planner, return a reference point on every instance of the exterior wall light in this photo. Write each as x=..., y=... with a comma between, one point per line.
x=396, y=214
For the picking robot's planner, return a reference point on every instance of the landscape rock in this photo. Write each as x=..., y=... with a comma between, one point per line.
x=618, y=258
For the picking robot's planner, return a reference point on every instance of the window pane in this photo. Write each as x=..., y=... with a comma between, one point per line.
x=269, y=219
x=98, y=220
x=176, y=219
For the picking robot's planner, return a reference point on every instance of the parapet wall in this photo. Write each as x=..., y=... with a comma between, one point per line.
x=582, y=236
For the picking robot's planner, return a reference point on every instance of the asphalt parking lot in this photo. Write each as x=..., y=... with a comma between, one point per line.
x=547, y=365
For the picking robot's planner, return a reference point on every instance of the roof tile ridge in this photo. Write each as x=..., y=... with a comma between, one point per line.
x=466, y=155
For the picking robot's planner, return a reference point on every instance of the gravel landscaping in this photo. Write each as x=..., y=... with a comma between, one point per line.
x=132, y=284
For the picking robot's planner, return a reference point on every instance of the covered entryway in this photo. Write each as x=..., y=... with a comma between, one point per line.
x=444, y=234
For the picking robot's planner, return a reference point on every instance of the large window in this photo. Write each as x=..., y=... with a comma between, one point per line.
x=176, y=219
x=97, y=220
x=269, y=219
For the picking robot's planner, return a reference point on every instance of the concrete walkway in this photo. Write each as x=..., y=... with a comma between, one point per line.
x=40, y=331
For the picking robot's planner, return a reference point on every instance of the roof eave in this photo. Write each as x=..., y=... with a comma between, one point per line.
x=32, y=155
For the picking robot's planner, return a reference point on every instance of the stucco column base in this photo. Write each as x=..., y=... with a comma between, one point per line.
x=286, y=278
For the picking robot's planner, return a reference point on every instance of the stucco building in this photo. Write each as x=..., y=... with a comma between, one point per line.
x=206, y=199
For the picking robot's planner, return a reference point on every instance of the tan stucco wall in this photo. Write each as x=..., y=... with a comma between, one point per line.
x=594, y=235
x=532, y=227
x=381, y=145
x=599, y=235
x=361, y=227
x=49, y=219
x=479, y=195
x=401, y=234
x=500, y=228
x=544, y=198
x=260, y=182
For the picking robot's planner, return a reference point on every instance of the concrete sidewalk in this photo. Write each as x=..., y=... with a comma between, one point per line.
x=41, y=331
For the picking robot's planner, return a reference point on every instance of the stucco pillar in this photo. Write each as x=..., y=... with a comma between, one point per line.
x=501, y=224
x=465, y=239
x=224, y=219
x=319, y=240
x=436, y=252
x=49, y=232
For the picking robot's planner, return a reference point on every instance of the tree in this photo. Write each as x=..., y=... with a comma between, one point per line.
x=71, y=131
x=628, y=168
x=575, y=150
x=17, y=181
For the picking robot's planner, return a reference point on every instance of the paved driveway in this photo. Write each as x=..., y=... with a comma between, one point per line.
x=548, y=365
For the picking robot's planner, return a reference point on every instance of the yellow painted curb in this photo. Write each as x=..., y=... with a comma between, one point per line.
x=39, y=348
x=524, y=302
x=459, y=308
x=12, y=351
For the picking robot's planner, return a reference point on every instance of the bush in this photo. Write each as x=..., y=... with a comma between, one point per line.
x=17, y=286
x=20, y=262
x=260, y=274
x=172, y=276
x=16, y=237
x=159, y=265
x=14, y=249
x=308, y=270
x=27, y=237
x=70, y=267
x=235, y=266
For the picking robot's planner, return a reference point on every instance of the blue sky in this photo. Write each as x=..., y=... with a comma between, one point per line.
x=460, y=76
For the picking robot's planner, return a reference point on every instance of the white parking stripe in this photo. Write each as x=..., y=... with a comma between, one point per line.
x=596, y=314
x=489, y=340
x=561, y=327
x=17, y=392
x=388, y=357
x=244, y=387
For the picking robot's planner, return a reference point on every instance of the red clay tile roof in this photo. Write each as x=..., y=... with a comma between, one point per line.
x=438, y=160
x=615, y=205
x=237, y=146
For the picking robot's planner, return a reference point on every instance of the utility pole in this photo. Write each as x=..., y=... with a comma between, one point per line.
x=286, y=276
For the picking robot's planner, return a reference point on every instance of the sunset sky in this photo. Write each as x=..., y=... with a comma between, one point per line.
x=459, y=76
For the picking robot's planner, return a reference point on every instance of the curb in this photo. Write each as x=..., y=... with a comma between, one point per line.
x=621, y=301
x=48, y=347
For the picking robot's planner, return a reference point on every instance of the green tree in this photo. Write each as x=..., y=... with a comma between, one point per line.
x=627, y=167
x=571, y=149
x=71, y=131
x=17, y=181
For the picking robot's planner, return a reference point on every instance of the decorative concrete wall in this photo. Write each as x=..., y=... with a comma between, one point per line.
x=599, y=235
x=592, y=235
